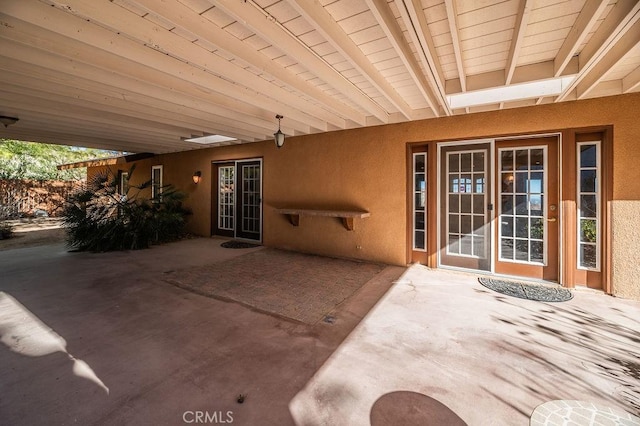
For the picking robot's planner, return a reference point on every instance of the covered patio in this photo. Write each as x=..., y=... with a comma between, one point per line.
x=104, y=339
x=424, y=141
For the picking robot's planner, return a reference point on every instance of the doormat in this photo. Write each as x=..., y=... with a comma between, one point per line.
x=238, y=245
x=538, y=292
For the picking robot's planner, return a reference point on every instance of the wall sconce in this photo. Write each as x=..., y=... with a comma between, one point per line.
x=279, y=136
x=197, y=177
x=8, y=121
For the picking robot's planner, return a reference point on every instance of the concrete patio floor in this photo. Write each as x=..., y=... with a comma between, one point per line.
x=102, y=339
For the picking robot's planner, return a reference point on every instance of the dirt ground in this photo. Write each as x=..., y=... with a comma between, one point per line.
x=33, y=232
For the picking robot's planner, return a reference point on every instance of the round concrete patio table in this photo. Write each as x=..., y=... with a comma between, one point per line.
x=579, y=413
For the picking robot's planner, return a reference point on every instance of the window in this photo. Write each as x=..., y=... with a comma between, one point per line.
x=124, y=183
x=588, y=200
x=156, y=183
x=419, y=201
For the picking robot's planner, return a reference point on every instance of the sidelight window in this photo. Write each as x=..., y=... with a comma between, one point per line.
x=419, y=201
x=588, y=201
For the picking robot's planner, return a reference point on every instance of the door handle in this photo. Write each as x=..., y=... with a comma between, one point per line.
x=552, y=219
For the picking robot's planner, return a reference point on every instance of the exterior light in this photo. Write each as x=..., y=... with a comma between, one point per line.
x=197, y=177
x=279, y=136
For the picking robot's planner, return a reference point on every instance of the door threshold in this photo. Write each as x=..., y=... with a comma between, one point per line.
x=481, y=273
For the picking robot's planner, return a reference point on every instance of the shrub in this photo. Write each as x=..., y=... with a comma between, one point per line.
x=6, y=231
x=99, y=219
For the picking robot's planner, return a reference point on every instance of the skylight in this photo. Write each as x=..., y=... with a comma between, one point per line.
x=210, y=139
x=513, y=92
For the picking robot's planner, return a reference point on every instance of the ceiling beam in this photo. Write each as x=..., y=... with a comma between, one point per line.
x=418, y=30
x=452, y=18
x=92, y=121
x=621, y=16
x=72, y=139
x=129, y=54
x=322, y=21
x=613, y=56
x=39, y=64
x=631, y=82
x=202, y=27
x=98, y=100
x=273, y=32
x=522, y=20
x=116, y=98
x=587, y=18
x=39, y=124
x=77, y=105
x=153, y=37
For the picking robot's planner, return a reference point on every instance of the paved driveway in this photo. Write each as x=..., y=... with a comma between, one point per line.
x=103, y=339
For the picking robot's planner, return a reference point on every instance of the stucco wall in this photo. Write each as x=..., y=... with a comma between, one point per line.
x=626, y=245
x=366, y=169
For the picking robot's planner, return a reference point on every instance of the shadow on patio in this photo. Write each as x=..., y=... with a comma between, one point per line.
x=484, y=357
x=162, y=352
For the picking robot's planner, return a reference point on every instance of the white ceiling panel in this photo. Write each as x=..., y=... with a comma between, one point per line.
x=143, y=75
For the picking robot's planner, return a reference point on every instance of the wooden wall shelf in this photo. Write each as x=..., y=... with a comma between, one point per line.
x=346, y=216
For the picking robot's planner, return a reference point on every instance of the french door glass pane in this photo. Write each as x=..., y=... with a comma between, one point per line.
x=466, y=203
x=522, y=226
x=251, y=198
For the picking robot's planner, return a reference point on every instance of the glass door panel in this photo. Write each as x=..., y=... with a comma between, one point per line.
x=238, y=199
x=521, y=231
x=465, y=217
x=250, y=209
x=527, y=208
x=226, y=197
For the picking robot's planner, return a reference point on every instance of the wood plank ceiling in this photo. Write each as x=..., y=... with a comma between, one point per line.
x=144, y=75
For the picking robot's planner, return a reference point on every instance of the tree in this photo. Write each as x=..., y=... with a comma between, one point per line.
x=38, y=161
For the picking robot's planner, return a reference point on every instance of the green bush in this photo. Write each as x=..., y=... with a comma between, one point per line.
x=6, y=231
x=99, y=219
x=589, y=230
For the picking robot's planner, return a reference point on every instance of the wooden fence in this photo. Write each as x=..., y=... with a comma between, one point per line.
x=20, y=198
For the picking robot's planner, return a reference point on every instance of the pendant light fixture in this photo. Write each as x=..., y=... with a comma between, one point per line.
x=279, y=136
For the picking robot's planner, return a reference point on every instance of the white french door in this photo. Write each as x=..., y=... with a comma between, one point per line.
x=465, y=219
x=238, y=206
x=498, y=204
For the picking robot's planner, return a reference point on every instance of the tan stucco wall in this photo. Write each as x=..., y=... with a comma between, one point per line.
x=626, y=246
x=366, y=169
